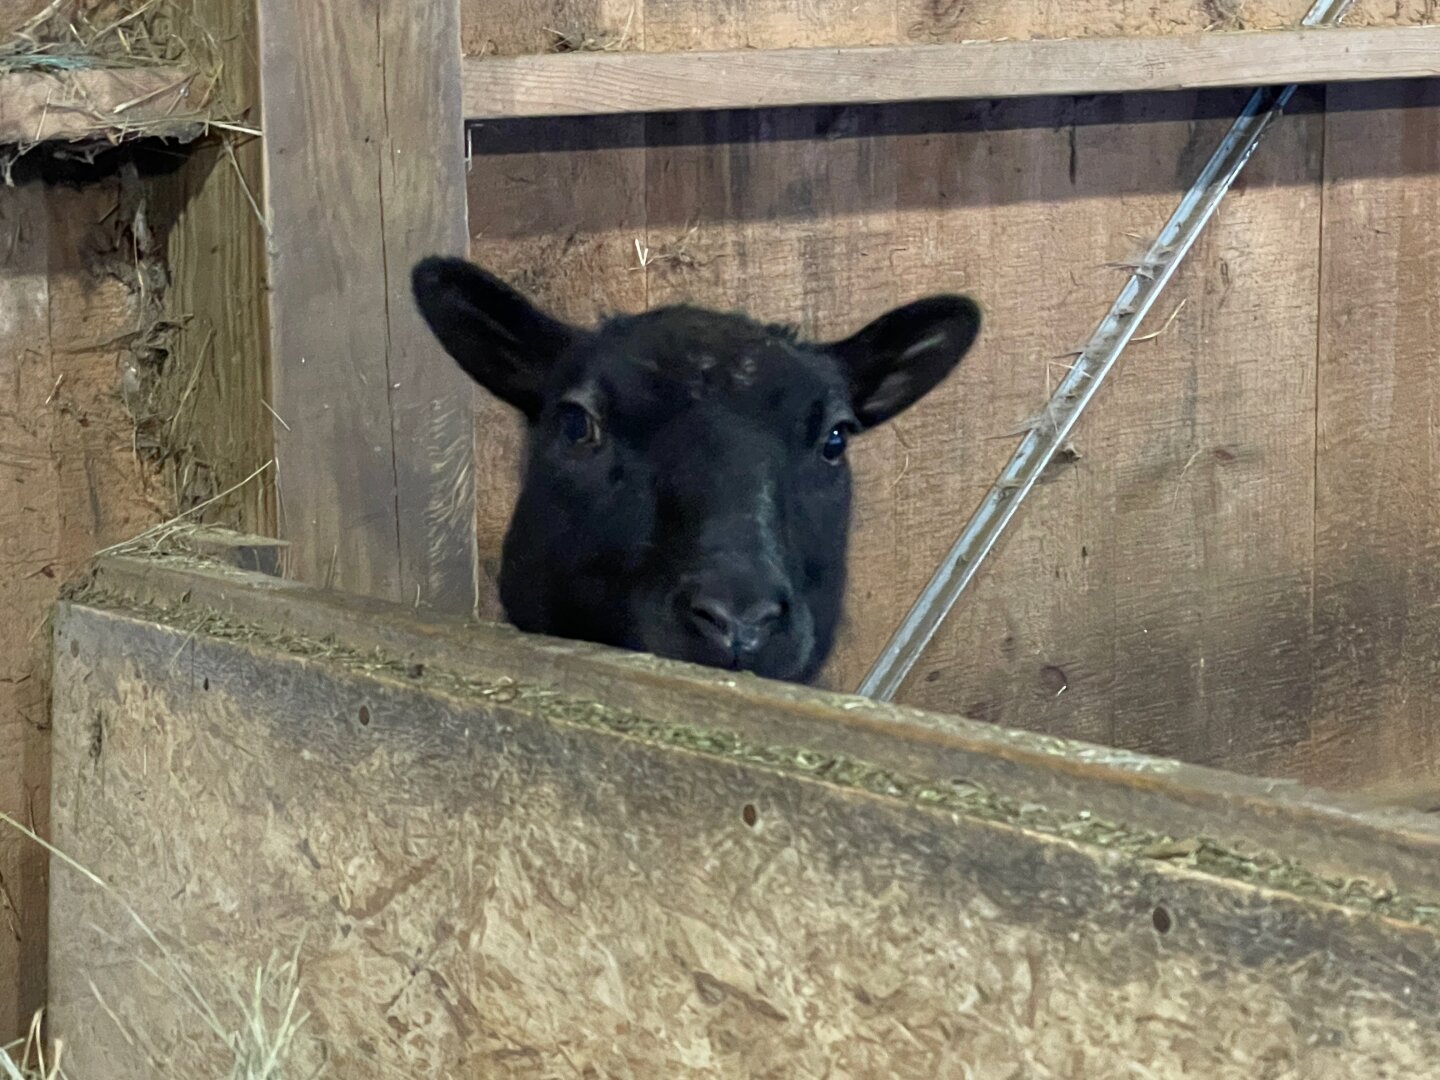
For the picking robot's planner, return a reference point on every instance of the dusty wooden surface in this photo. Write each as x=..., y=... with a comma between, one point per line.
x=594, y=83
x=1377, y=509
x=217, y=292
x=1157, y=594
x=493, y=877
x=70, y=483
x=533, y=26
x=364, y=158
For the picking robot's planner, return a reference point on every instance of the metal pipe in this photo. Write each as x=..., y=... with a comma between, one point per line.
x=1051, y=430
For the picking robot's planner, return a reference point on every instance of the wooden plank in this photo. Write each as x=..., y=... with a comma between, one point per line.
x=512, y=27
x=1211, y=460
x=1156, y=596
x=216, y=300
x=455, y=849
x=99, y=103
x=29, y=543
x=1377, y=498
x=590, y=83
x=671, y=25
x=560, y=214
x=1197, y=648
x=364, y=176
x=70, y=483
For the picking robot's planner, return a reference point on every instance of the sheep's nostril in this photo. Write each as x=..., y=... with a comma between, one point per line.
x=741, y=630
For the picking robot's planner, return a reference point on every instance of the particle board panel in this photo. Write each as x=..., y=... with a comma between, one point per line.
x=734, y=892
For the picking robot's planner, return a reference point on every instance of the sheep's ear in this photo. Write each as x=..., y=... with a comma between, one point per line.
x=498, y=337
x=905, y=353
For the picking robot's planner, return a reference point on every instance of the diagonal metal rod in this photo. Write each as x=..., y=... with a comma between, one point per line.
x=1050, y=431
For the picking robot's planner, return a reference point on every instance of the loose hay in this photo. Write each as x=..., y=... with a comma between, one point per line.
x=72, y=36
x=34, y=1061
x=260, y=1036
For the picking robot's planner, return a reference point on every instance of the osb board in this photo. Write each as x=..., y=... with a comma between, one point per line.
x=482, y=875
x=527, y=26
x=1333, y=834
x=69, y=484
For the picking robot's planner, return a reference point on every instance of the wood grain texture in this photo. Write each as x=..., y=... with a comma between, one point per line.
x=70, y=483
x=216, y=298
x=632, y=82
x=364, y=176
x=105, y=104
x=29, y=520
x=1156, y=591
x=1155, y=595
x=1377, y=508
x=779, y=24
x=723, y=918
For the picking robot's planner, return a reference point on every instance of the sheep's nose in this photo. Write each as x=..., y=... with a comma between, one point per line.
x=737, y=626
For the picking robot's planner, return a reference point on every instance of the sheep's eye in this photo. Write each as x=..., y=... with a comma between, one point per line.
x=578, y=425
x=834, y=447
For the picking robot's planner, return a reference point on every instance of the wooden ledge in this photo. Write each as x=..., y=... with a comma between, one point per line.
x=1332, y=834
x=633, y=82
x=108, y=104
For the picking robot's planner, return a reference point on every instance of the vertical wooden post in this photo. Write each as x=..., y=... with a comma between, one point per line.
x=365, y=172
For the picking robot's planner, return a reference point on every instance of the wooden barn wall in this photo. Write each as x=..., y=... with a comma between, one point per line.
x=1233, y=571
x=132, y=375
x=70, y=483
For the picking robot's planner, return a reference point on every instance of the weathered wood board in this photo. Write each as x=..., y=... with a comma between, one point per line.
x=70, y=484
x=508, y=856
x=364, y=177
x=1377, y=508
x=97, y=103
x=1168, y=591
x=611, y=82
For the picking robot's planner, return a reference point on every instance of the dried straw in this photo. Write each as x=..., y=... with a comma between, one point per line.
x=69, y=36
x=259, y=1042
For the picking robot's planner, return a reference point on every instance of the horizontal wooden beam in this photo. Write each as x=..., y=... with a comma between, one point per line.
x=108, y=104
x=633, y=82
x=1333, y=834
